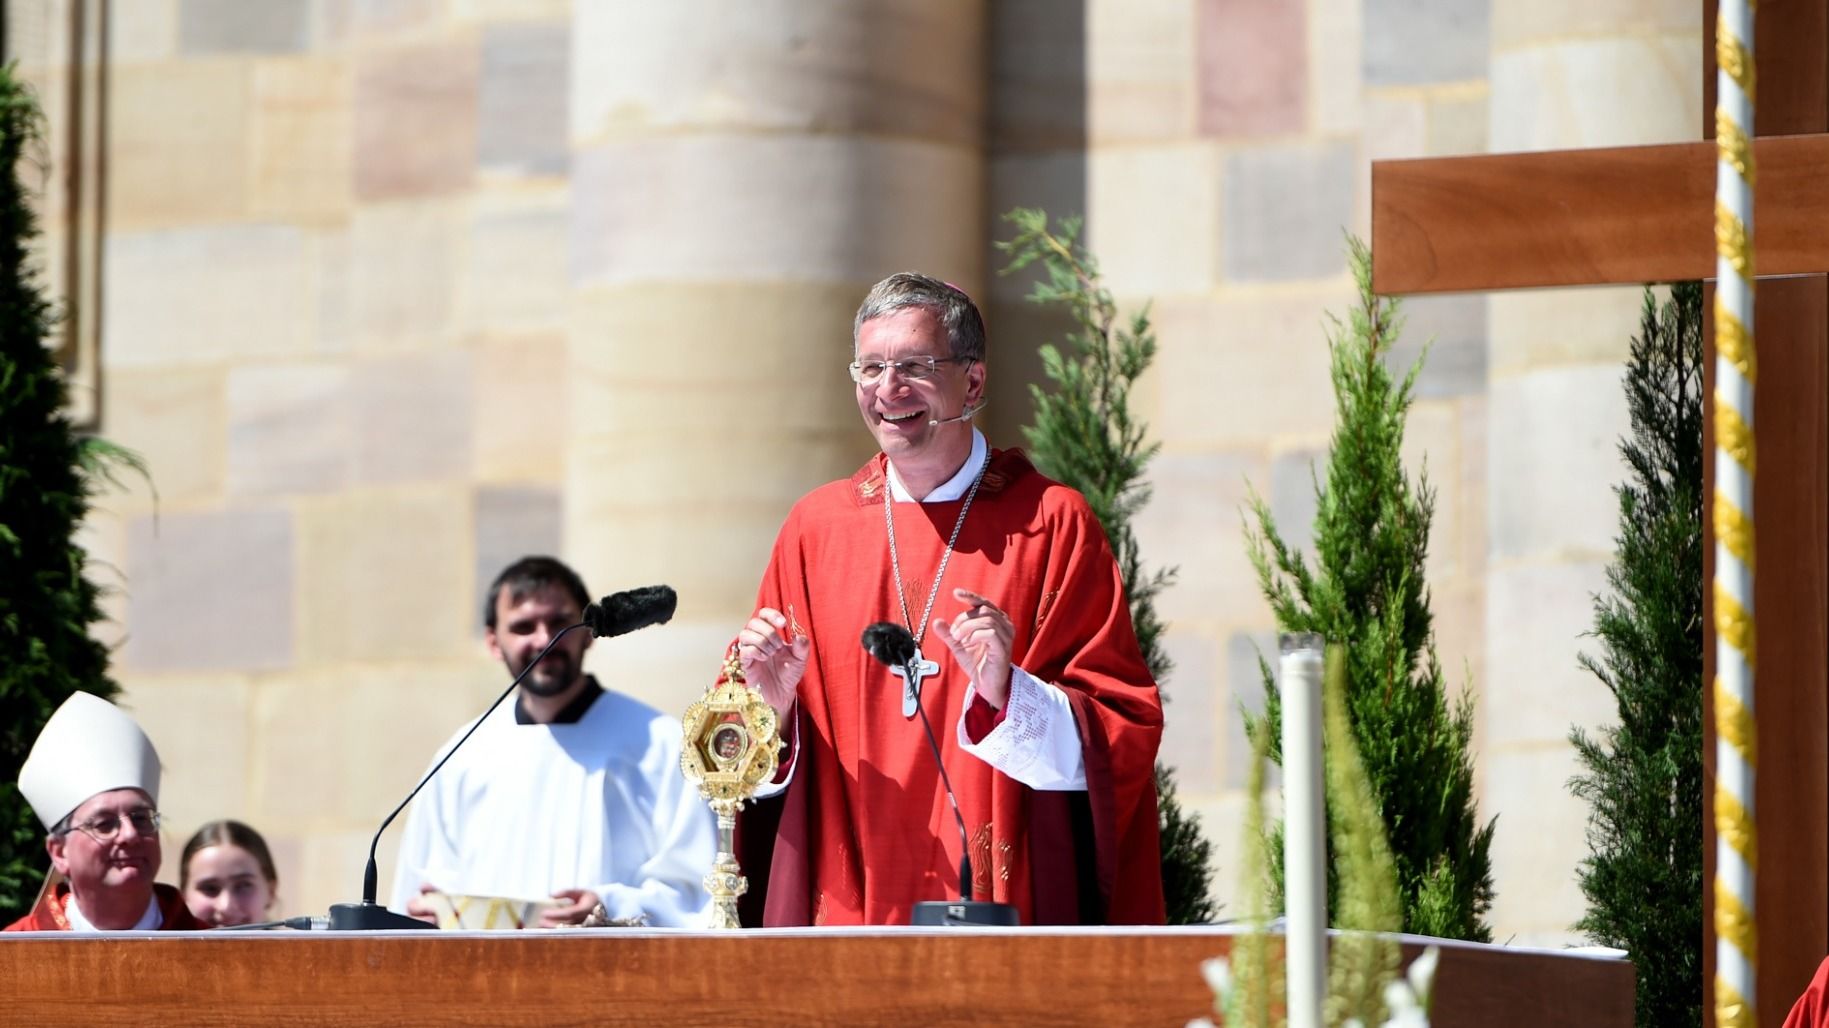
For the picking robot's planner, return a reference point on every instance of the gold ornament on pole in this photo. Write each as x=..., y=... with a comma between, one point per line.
x=732, y=741
x=1736, y=646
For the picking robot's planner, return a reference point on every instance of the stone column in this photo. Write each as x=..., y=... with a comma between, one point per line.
x=741, y=173
x=1566, y=74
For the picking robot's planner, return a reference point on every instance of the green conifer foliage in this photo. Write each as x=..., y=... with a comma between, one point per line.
x=1085, y=436
x=1366, y=590
x=1364, y=957
x=1643, y=778
x=46, y=603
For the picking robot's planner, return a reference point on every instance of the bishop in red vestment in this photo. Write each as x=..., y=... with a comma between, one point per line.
x=52, y=912
x=1047, y=717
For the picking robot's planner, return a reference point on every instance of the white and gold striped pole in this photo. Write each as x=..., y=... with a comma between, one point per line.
x=1736, y=849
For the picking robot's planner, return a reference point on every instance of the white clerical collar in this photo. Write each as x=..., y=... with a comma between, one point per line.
x=953, y=488
x=148, y=922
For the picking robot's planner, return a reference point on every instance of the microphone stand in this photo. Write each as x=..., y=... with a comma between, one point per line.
x=369, y=916
x=965, y=910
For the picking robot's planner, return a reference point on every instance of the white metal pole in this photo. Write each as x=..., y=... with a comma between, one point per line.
x=1304, y=829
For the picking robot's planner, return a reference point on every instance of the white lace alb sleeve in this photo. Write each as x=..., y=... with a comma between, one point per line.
x=1038, y=743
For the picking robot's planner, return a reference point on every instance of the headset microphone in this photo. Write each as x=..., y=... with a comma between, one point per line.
x=966, y=415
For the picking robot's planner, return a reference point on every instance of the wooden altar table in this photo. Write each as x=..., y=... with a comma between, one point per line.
x=774, y=977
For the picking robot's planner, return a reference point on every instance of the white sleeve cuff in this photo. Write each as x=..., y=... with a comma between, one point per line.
x=1038, y=743
x=621, y=901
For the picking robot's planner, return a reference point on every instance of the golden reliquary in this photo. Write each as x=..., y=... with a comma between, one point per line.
x=732, y=746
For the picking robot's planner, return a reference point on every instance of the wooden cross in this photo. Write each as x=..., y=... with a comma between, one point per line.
x=1646, y=214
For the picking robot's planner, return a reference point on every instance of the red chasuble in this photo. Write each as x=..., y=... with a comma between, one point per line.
x=863, y=831
x=1812, y=1008
x=48, y=915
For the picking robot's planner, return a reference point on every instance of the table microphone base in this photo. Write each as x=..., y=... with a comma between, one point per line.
x=944, y=913
x=370, y=917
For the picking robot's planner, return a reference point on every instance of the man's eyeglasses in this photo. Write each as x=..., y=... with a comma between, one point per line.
x=107, y=826
x=913, y=369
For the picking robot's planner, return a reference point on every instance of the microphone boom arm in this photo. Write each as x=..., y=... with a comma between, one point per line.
x=965, y=414
x=370, y=874
x=893, y=646
x=966, y=887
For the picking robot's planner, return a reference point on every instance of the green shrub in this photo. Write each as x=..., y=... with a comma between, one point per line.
x=46, y=602
x=1085, y=436
x=1643, y=779
x=1366, y=591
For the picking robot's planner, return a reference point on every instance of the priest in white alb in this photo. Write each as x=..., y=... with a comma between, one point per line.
x=571, y=795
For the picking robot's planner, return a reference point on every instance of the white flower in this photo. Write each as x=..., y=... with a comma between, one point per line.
x=1398, y=999
x=1415, y=1017
x=1421, y=974
x=1218, y=974
x=1406, y=999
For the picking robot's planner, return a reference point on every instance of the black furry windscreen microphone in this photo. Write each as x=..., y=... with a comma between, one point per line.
x=624, y=612
x=889, y=643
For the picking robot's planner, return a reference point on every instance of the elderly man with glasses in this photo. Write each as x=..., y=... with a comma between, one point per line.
x=1025, y=660
x=93, y=779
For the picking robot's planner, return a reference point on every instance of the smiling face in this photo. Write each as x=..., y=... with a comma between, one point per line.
x=224, y=885
x=897, y=410
x=126, y=862
x=525, y=623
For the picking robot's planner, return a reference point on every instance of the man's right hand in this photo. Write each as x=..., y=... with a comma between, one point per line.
x=771, y=662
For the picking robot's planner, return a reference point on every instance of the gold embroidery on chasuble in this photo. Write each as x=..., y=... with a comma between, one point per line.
x=1047, y=604
x=1005, y=854
x=60, y=906
x=981, y=861
x=850, y=890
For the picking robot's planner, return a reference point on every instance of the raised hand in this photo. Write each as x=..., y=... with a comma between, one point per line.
x=980, y=637
x=772, y=662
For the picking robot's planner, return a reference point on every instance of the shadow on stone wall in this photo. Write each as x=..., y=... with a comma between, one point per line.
x=1035, y=156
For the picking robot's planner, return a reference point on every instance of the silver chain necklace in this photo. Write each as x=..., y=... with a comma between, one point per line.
x=920, y=667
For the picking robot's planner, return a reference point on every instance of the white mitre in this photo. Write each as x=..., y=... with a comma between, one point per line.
x=89, y=746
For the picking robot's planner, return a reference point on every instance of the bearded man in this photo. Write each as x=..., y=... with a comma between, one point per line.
x=574, y=792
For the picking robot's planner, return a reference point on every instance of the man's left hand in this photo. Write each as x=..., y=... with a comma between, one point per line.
x=980, y=637
x=572, y=906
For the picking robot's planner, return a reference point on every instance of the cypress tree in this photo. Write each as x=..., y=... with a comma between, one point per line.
x=46, y=602
x=1367, y=591
x=1085, y=435
x=1643, y=777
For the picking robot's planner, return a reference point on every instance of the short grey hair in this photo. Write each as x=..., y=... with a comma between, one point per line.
x=956, y=311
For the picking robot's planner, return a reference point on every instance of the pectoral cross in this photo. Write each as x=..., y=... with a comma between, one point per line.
x=917, y=668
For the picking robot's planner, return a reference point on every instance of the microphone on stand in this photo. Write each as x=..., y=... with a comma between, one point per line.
x=965, y=415
x=616, y=614
x=892, y=644
x=624, y=612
